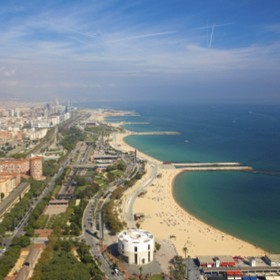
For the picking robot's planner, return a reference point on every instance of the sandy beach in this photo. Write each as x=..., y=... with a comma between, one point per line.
x=165, y=219
x=168, y=221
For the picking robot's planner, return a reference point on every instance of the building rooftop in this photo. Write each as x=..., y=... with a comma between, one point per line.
x=228, y=259
x=135, y=236
x=274, y=257
x=206, y=259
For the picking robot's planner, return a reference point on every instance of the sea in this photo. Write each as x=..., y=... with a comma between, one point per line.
x=243, y=204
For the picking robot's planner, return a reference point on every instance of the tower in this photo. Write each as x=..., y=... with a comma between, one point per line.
x=36, y=167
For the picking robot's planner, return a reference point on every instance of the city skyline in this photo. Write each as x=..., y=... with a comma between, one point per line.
x=218, y=51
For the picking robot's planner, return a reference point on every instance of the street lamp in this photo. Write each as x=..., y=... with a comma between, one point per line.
x=188, y=264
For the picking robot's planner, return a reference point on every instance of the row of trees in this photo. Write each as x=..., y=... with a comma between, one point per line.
x=12, y=218
x=9, y=260
x=12, y=255
x=34, y=216
x=110, y=217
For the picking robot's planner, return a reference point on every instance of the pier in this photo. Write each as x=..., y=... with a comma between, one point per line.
x=204, y=164
x=210, y=166
x=128, y=123
x=155, y=133
x=218, y=168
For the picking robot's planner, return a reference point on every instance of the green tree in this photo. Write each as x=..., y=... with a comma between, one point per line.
x=121, y=166
x=9, y=260
x=22, y=241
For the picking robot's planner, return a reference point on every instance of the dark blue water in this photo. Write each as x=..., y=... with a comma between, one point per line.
x=247, y=134
x=243, y=204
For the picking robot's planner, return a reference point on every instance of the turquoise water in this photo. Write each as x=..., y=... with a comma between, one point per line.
x=243, y=204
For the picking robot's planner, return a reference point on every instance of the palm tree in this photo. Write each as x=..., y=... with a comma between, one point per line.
x=185, y=249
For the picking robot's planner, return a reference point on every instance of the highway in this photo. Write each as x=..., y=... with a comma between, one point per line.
x=19, y=228
x=94, y=236
x=89, y=229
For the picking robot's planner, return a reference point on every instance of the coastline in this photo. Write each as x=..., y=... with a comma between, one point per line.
x=167, y=220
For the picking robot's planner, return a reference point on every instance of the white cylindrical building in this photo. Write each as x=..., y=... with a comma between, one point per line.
x=137, y=246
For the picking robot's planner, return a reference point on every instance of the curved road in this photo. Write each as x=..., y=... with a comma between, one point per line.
x=129, y=203
x=94, y=242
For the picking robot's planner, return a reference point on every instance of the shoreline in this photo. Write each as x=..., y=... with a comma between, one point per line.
x=168, y=221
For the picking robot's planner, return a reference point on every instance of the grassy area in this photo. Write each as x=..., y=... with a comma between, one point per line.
x=57, y=220
x=117, y=173
x=80, y=189
x=156, y=277
x=51, y=222
x=42, y=221
x=101, y=180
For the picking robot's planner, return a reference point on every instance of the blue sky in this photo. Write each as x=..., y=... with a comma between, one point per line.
x=218, y=50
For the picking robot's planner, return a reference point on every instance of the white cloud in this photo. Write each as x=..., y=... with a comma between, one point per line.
x=54, y=50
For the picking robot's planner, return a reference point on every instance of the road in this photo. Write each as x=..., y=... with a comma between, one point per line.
x=88, y=230
x=128, y=205
x=19, y=228
x=88, y=225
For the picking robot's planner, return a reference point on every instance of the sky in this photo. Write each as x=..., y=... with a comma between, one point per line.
x=140, y=50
